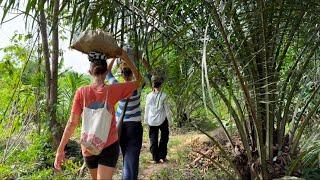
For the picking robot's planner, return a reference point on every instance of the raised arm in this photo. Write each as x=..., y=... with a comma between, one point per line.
x=110, y=65
x=111, y=79
x=133, y=68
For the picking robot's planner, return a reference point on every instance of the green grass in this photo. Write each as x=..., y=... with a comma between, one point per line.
x=35, y=160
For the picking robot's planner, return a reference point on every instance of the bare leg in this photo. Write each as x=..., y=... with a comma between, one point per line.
x=105, y=172
x=93, y=173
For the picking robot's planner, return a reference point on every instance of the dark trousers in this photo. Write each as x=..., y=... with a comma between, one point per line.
x=130, y=143
x=159, y=150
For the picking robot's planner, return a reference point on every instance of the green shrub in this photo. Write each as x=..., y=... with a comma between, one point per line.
x=311, y=173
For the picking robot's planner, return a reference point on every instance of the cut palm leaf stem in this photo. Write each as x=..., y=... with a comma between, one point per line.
x=224, y=153
x=203, y=89
x=217, y=164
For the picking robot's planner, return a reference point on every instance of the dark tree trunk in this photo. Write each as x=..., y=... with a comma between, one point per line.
x=51, y=80
x=56, y=130
x=38, y=89
x=46, y=55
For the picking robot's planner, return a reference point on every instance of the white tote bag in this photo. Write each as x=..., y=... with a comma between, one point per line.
x=95, y=128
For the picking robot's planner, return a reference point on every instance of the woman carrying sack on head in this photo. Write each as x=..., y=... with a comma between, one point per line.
x=96, y=104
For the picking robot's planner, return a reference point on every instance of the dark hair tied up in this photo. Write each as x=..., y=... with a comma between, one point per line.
x=98, y=64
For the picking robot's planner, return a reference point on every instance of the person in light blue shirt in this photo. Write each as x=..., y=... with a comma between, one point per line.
x=131, y=129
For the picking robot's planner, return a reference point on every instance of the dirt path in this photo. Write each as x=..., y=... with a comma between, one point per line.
x=177, y=143
x=152, y=168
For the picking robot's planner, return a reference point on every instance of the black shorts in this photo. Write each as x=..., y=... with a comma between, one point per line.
x=107, y=157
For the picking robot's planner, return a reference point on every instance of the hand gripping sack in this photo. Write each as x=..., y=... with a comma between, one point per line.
x=97, y=40
x=95, y=129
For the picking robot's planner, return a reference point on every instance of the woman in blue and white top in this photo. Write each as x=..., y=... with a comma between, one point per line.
x=131, y=129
